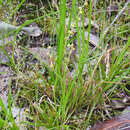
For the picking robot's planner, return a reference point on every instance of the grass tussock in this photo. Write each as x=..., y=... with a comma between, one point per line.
x=52, y=96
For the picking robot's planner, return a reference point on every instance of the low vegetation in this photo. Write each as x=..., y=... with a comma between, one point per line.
x=77, y=78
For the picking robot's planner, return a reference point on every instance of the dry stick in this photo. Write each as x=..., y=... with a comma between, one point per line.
x=107, y=29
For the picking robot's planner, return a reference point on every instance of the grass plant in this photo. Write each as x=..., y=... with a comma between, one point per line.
x=52, y=103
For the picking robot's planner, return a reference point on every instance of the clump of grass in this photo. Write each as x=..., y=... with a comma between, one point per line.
x=53, y=103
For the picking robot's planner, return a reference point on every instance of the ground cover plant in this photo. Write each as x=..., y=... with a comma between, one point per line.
x=71, y=71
